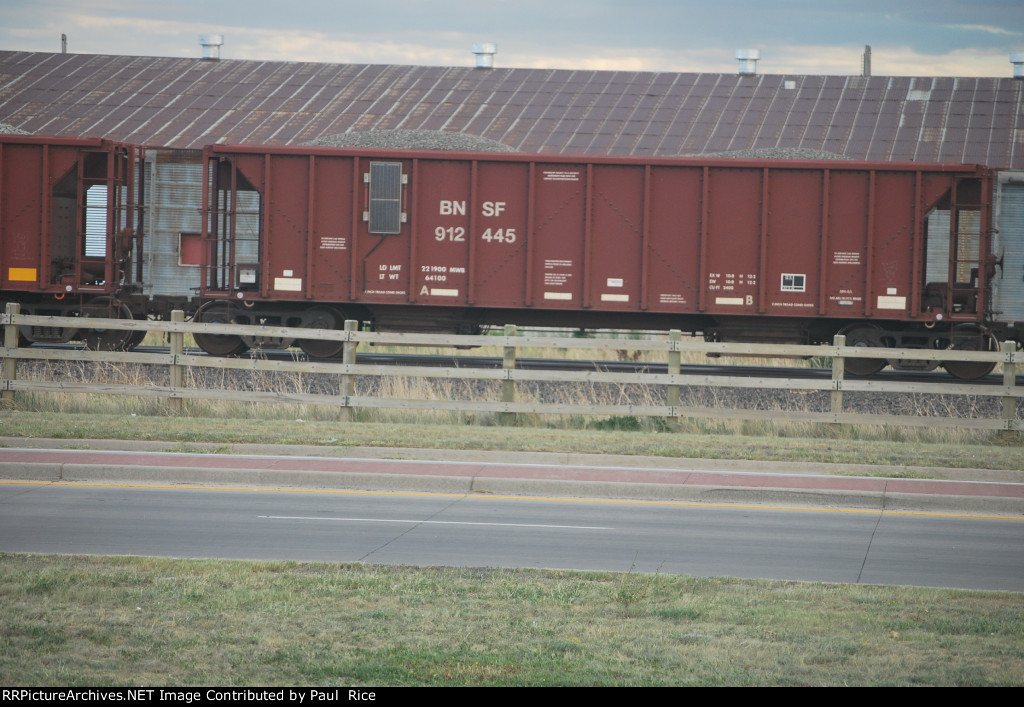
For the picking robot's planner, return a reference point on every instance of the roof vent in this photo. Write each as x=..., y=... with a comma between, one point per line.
x=485, y=55
x=1017, y=59
x=211, y=44
x=748, y=60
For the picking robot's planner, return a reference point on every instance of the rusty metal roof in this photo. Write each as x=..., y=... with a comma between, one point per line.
x=187, y=103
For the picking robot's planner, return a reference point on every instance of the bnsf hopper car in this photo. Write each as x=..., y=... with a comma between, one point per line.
x=70, y=242
x=889, y=254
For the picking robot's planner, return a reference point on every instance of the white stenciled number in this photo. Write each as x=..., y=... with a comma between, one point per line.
x=452, y=233
x=499, y=235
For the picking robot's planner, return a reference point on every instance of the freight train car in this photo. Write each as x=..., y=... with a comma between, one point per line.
x=70, y=242
x=892, y=255
x=889, y=254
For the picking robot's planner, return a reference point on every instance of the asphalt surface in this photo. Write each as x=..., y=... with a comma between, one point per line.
x=969, y=491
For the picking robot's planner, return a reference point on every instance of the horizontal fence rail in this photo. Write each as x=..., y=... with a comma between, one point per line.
x=348, y=370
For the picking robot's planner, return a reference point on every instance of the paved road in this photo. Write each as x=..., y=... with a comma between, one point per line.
x=473, y=530
x=704, y=521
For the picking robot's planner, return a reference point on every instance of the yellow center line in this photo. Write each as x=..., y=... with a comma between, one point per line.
x=488, y=496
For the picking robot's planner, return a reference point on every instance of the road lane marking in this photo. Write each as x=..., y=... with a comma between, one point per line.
x=502, y=497
x=437, y=522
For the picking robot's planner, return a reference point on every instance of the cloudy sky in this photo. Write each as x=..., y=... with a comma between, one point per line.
x=908, y=37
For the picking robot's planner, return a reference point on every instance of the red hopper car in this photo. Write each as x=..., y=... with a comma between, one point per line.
x=70, y=242
x=890, y=254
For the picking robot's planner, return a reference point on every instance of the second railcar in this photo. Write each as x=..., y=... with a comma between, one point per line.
x=70, y=236
x=891, y=254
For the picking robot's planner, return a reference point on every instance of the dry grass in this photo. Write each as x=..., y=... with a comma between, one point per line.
x=182, y=433
x=776, y=402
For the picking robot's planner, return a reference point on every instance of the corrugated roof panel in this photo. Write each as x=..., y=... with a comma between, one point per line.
x=647, y=144
x=954, y=133
x=49, y=124
x=432, y=122
x=839, y=146
x=815, y=133
x=776, y=120
x=885, y=133
x=862, y=132
x=578, y=143
x=840, y=133
x=201, y=102
x=822, y=113
x=878, y=150
x=635, y=127
x=717, y=144
x=620, y=113
x=976, y=152
x=751, y=122
x=269, y=130
x=116, y=116
x=903, y=150
x=794, y=130
x=951, y=151
x=145, y=97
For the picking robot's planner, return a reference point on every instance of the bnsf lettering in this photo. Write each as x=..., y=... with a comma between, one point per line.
x=453, y=208
x=493, y=208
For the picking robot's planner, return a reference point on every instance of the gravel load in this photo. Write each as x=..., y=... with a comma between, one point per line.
x=777, y=153
x=6, y=129
x=414, y=140
x=446, y=140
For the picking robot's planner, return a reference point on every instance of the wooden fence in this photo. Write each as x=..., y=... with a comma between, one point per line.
x=669, y=348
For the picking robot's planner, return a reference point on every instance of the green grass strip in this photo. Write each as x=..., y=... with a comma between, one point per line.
x=77, y=621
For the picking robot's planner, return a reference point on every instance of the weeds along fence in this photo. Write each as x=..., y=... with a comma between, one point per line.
x=665, y=404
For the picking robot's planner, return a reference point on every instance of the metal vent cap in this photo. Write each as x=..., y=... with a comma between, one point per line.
x=211, y=44
x=1017, y=59
x=485, y=54
x=748, y=60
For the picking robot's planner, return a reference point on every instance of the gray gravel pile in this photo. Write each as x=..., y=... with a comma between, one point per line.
x=777, y=153
x=414, y=140
x=11, y=130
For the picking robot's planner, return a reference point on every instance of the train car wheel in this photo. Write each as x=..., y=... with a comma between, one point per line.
x=868, y=336
x=322, y=318
x=137, y=337
x=970, y=338
x=108, y=339
x=218, y=344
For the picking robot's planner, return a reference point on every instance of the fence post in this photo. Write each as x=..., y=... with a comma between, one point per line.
x=11, y=342
x=177, y=371
x=348, y=382
x=508, y=386
x=838, y=375
x=1009, y=380
x=675, y=358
